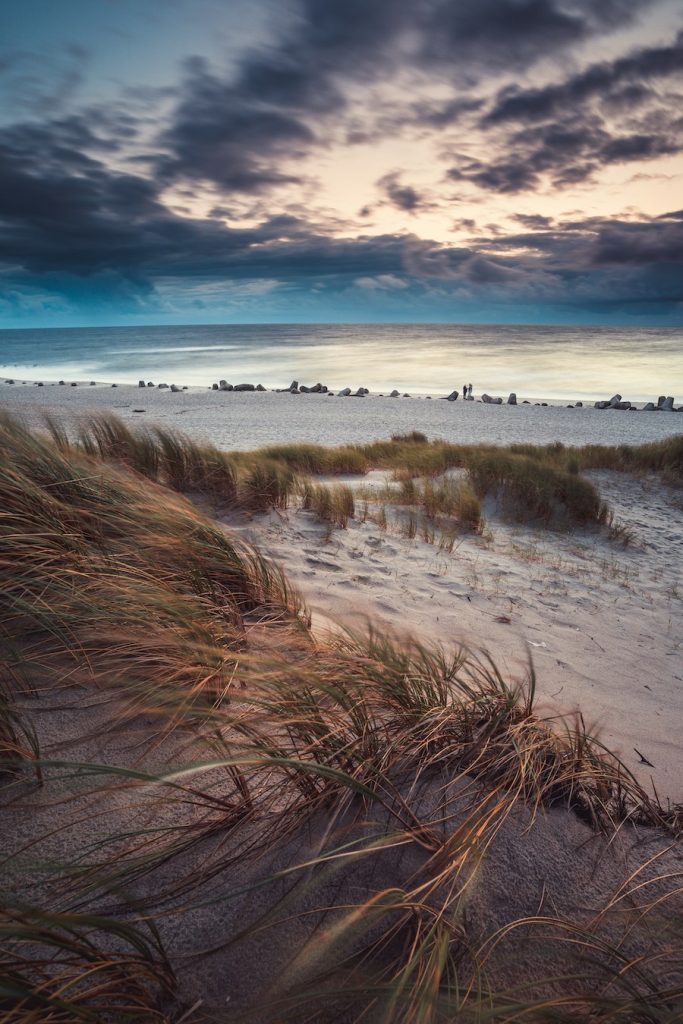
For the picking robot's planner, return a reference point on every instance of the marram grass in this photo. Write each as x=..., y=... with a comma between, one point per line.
x=323, y=809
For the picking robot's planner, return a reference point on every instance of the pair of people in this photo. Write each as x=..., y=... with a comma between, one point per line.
x=467, y=391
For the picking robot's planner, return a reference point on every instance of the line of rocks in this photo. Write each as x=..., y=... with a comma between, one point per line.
x=664, y=404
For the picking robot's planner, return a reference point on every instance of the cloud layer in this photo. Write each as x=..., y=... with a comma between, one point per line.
x=470, y=138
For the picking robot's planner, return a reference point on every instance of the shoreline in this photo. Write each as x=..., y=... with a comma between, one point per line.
x=248, y=420
x=614, y=403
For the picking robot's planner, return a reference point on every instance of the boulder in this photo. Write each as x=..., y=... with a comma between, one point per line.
x=344, y=393
x=579, y=405
x=649, y=407
x=175, y=388
x=668, y=404
x=526, y=402
x=141, y=384
x=660, y=401
x=512, y=398
x=488, y=400
x=394, y=394
x=40, y=384
x=601, y=405
x=406, y=395
x=294, y=386
x=544, y=404
x=244, y=387
x=93, y=383
x=260, y=387
x=12, y=382
x=74, y=384
x=359, y=394
x=162, y=386
x=453, y=397
x=214, y=387
x=114, y=385
x=614, y=401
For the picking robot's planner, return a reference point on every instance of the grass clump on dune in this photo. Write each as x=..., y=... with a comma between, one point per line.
x=334, y=504
x=527, y=489
x=85, y=546
x=323, y=853
x=318, y=460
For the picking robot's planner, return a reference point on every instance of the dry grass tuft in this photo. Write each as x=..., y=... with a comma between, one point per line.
x=340, y=759
x=334, y=504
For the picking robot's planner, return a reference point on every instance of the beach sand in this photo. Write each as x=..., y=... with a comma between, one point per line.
x=602, y=622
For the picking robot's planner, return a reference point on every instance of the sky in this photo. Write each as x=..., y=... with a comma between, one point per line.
x=197, y=161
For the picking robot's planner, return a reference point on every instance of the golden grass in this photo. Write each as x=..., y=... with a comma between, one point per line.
x=110, y=580
x=334, y=504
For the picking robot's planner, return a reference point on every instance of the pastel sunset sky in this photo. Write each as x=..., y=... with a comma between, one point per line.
x=197, y=161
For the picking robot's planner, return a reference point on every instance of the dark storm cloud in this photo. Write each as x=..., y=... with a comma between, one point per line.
x=568, y=152
x=574, y=246
x=599, y=81
x=507, y=33
x=64, y=213
x=223, y=136
x=402, y=197
x=238, y=129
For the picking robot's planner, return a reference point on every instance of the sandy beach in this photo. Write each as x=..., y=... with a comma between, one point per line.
x=602, y=621
x=221, y=736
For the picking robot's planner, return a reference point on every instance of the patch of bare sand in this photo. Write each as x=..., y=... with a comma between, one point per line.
x=603, y=622
x=545, y=903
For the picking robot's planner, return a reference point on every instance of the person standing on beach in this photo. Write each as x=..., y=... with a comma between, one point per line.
x=470, y=390
x=464, y=391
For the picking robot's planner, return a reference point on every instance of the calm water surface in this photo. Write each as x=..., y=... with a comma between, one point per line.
x=550, y=362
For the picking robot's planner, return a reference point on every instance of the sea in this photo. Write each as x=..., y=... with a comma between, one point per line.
x=538, y=362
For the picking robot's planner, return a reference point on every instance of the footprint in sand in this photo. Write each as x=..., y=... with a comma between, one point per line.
x=321, y=563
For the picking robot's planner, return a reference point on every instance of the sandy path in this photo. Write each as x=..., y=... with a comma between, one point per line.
x=604, y=623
